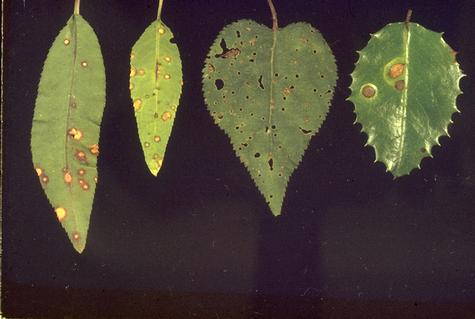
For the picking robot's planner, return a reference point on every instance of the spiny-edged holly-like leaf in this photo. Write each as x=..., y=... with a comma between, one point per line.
x=404, y=88
x=66, y=123
x=155, y=88
x=269, y=91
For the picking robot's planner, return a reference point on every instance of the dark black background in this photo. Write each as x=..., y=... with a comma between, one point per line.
x=199, y=239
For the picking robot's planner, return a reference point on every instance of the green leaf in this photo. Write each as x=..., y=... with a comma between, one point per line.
x=269, y=91
x=155, y=88
x=404, y=88
x=65, y=132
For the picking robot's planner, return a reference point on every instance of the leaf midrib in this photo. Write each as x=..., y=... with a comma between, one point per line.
x=403, y=103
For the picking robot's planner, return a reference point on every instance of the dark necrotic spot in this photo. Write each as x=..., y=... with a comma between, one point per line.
x=238, y=34
x=219, y=84
x=257, y=155
x=271, y=164
x=304, y=131
x=260, y=82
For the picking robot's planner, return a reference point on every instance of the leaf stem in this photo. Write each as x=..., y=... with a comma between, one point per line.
x=159, y=11
x=275, y=25
x=77, y=4
x=408, y=18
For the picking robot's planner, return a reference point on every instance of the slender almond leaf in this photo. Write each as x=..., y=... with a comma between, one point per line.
x=155, y=88
x=405, y=86
x=270, y=91
x=65, y=132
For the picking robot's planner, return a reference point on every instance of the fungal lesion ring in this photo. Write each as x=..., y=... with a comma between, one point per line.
x=369, y=90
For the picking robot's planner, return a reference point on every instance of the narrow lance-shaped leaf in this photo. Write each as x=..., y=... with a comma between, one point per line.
x=155, y=88
x=65, y=131
x=405, y=86
x=270, y=91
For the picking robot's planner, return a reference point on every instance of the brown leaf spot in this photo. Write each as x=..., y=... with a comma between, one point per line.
x=157, y=139
x=80, y=156
x=161, y=31
x=166, y=116
x=94, y=149
x=84, y=64
x=167, y=76
x=167, y=59
x=141, y=72
x=67, y=177
x=368, y=91
x=399, y=85
x=81, y=172
x=84, y=185
x=66, y=41
x=396, y=70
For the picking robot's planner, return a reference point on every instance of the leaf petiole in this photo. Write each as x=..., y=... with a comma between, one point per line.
x=159, y=11
x=275, y=25
x=77, y=4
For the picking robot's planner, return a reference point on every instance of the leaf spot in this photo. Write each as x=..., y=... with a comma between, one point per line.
x=44, y=179
x=132, y=55
x=141, y=72
x=81, y=172
x=80, y=156
x=84, y=64
x=39, y=171
x=167, y=76
x=166, y=116
x=304, y=131
x=137, y=104
x=167, y=59
x=146, y=144
x=219, y=83
x=368, y=91
x=133, y=72
x=396, y=70
x=60, y=213
x=131, y=86
x=66, y=42
x=67, y=177
x=94, y=149
x=76, y=236
x=161, y=31
x=261, y=85
x=270, y=162
x=75, y=133
x=157, y=139
x=399, y=85
x=84, y=185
